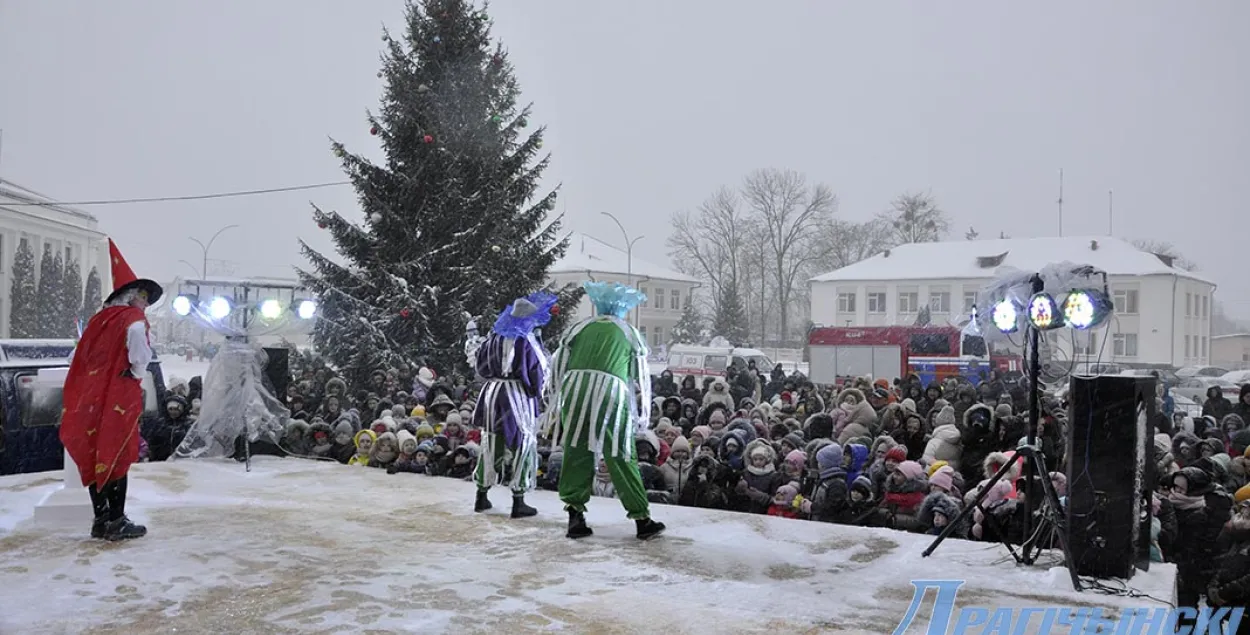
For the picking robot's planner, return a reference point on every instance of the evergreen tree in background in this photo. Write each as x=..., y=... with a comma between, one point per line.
x=689, y=329
x=51, y=289
x=451, y=228
x=23, y=305
x=730, y=320
x=71, y=300
x=92, y=297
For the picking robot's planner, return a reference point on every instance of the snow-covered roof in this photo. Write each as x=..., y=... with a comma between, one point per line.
x=15, y=193
x=1224, y=337
x=216, y=281
x=981, y=258
x=587, y=253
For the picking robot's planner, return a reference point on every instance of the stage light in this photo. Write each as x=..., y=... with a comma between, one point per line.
x=219, y=308
x=1044, y=313
x=182, y=305
x=270, y=309
x=307, y=309
x=1086, y=308
x=1005, y=317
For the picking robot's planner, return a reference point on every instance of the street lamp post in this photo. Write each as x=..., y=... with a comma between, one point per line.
x=629, y=257
x=205, y=248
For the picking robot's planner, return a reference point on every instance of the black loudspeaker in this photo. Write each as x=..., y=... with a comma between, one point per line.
x=278, y=371
x=1110, y=474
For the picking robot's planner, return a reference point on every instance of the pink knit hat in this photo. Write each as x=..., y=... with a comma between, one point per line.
x=911, y=470
x=942, y=478
x=797, y=458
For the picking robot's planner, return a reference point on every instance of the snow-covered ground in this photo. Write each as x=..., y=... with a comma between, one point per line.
x=302, y=546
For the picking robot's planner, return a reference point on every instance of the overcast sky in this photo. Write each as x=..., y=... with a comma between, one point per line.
x=650, y=106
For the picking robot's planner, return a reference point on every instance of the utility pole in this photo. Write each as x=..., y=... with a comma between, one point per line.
x=1060, y=202
x=1110, y=212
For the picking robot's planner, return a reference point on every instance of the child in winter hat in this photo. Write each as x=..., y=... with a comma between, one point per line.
x=425, y=432
x=716, y=421
x=385, y=450
x=787, y=502
x=407, y=448
x=364, y=441
x=344, y=443
x=794, y=464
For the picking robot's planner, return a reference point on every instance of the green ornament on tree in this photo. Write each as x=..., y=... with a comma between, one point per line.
x=522, y=122
x=496, y=119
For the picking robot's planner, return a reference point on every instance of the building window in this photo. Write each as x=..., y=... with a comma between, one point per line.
x=689, y=299
x=1084, y=342
x=846, y=303
x=658, y=338
x=1205, y=307
x=1203, y=353
x=908, y=302
x=1189, y=303
x=970, y=301
x=674, y=300
x=1187, y=355
x=940, y=302
x=1124, y=345
x=642, y=330
x=1125, y=301
x=876, y=303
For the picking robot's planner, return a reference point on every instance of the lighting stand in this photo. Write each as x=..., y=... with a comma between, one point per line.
x=1034, y=463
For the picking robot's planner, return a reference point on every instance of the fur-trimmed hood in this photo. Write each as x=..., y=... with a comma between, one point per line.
x=994, y=461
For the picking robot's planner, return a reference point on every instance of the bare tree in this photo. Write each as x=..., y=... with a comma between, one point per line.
x=711, y=243
x=971, y=234
x=790, y=214
x=1164, y=248
x=846, y=242
x=916, y=218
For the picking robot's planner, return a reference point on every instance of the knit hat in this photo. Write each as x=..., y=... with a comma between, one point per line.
x=663, y=425
x=909, y=404
x=794, y=439
x=862, y=484
x=945, y=416
x=786, y=493
x=453, y=419
x=898, y=454
x=418, y=411
x=911, y=470
x=943, y=478
x=1002, y=411
x=1243, y=494
x=717, y=416
x=680, y=444
x=796, y=458
x=403, y=436
x=424, y=431
x=829, y=457
x=703, y=432
x=778, y=430
x=935, y=466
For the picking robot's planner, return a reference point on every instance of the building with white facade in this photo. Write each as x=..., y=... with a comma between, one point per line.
x=667, y=291
x=1162, y=317
x=70, y=232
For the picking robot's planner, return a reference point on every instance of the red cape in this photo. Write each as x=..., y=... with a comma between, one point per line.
x=100, y=419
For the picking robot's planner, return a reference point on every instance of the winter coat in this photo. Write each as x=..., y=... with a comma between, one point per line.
x=861, y=420
x=1241, y=408
x=719, y=393
x=666, y=386
x=978, y=442
x=164, y=434
x=760, y=483
x=1231, y=582
x=1216, y=405
x=690, y=390
x=298, y=439
x=903, y=500
x=946, y=444
x=706, y=487
x=676, y=475
x=1198, y=531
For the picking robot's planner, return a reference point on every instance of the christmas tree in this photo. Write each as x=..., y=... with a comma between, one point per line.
x=689, y=329
x=451, y=227
x=730, y=321
x=51, y=286
x=23, y=305
x=92, y=297
x=71, y=300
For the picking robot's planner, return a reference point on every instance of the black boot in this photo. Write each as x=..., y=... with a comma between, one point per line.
x=100, y=507
x=98, y=527
x=482, y=504
x=577, y=526
x=648, y=529
x=123, y=529
x=520, y=509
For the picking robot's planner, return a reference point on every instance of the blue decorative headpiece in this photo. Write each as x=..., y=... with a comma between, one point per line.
x=613, y=298
x=525, y=314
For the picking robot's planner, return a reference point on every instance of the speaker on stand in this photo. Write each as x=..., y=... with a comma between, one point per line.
x=1111, y=474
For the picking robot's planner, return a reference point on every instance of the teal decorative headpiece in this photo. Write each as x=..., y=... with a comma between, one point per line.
x=613, y=298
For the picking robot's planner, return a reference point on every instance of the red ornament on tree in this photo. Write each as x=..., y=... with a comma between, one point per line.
x=496, y=60
x=404, y=313
x=373, y=130
x=321, y=225
x=427, y=139
x=555, y=309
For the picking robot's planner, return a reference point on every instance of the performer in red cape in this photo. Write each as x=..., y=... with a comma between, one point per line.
x=103, y=398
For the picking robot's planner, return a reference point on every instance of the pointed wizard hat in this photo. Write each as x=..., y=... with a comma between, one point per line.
x=124, y=278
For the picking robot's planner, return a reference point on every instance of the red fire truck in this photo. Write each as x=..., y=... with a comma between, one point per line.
x=931, y=352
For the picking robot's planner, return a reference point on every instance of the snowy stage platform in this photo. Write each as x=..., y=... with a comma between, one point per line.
x=298, y=546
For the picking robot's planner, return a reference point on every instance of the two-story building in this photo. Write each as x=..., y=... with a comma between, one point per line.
x=1162, y=313
x=667, y=291
x=30, y=218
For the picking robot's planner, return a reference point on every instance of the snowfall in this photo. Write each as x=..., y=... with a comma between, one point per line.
x=300, y=546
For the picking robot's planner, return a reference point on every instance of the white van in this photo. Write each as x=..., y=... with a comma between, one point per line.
x=686, y=359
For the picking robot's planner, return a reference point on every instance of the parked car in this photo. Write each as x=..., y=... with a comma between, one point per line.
x=1238, y=377
x=1191, y=408
x=1195, y=387
x=32, y=377
x=1096, y=368
x=1202, y=371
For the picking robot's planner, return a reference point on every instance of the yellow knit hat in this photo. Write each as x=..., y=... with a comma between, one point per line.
x=1242, y=494
x=418, y=411
x=937, y=465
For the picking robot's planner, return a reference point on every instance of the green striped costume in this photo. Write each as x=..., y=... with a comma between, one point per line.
x=595, y=404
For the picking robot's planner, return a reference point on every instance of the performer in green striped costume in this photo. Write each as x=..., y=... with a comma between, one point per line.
x=598, y=396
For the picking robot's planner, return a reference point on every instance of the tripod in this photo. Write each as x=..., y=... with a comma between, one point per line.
x=1034, y=464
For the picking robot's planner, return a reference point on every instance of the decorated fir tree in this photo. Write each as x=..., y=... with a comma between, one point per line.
x=92, y=296
x=51, y=289
x=71, y=300
x=23, y=303
x=689, y=328
x=452, y=227
x=730, y=321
